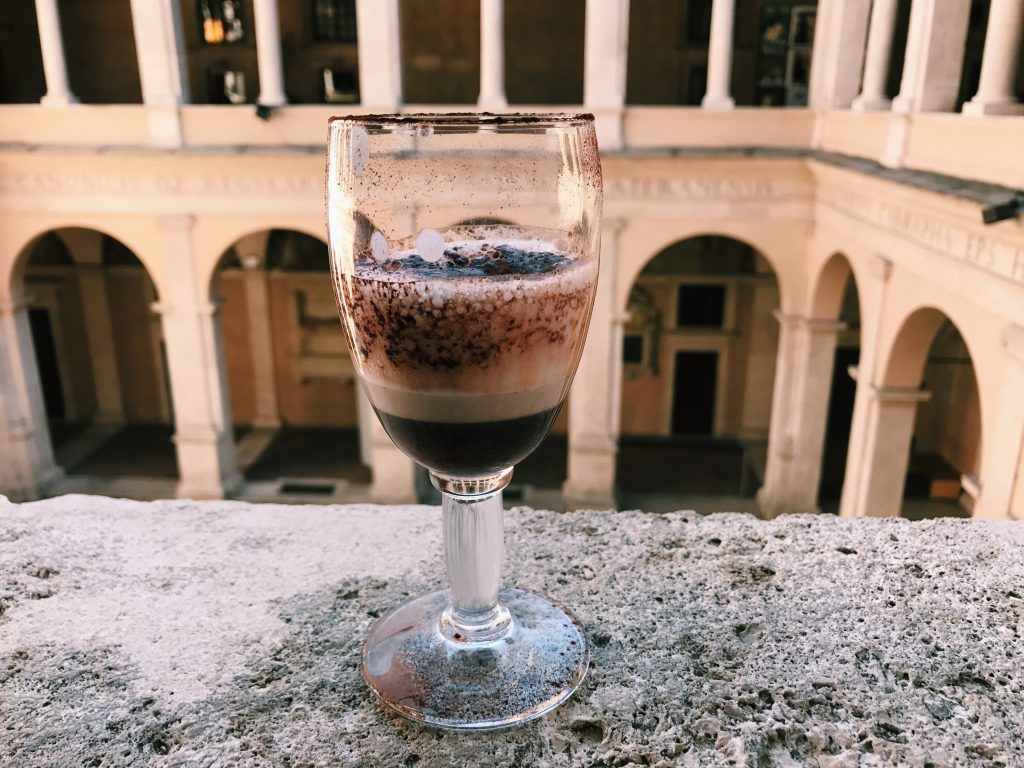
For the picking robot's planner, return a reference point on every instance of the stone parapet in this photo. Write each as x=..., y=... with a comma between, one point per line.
x=220, y=633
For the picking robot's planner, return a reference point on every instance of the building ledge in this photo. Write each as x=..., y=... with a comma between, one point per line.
x=221, y=633
x=985, y=149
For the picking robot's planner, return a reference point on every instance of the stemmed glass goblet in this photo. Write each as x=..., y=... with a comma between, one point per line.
x=464, y=254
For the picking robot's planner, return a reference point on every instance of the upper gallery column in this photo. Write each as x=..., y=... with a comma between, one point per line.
x=492, y=55
x=839, y=41
x=604, y=67
x=268, y=53
x=160, y=49
x=999, y=61
x=872, y=96
x=51, y=43
x=935, y=56
x=380, y=53
x=720, y=56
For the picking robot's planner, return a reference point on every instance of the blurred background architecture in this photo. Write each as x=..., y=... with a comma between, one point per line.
x=812, y=289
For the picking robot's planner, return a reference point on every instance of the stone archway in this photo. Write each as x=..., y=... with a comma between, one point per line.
x=698, y=361
x=835, y=301
x=295, y=402
x=94, y=355
x=925, y=427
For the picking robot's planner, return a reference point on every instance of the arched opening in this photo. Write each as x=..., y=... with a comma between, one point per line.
x=943, y=445
x=294, y=398
x=699, y=355
x=101, y=361
x=836, y=298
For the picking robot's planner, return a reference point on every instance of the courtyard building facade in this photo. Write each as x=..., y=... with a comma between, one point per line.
x=812, y=270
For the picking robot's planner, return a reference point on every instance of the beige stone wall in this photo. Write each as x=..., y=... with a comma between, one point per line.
x=315, y=378
x=746, y=347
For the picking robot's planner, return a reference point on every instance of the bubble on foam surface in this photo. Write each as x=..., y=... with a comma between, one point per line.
x=430, y=245
x=359, y=150
x=379, y=248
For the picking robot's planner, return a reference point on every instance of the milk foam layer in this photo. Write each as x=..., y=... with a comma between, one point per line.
x=437, y=347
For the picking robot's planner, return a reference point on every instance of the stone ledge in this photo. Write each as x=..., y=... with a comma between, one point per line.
x=180, y=633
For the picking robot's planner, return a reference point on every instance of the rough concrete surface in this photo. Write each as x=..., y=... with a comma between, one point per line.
x=221, y=634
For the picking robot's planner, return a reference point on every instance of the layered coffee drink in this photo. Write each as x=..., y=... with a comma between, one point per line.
x=467, y=340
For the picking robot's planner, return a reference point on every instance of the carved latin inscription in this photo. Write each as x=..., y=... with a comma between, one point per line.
x=996, y=256
x=639, y=188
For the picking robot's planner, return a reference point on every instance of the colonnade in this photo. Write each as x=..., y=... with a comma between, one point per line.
x=850, y=32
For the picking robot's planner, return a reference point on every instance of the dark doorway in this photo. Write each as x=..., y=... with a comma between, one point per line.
x=693, y=393
x=840, y=418
x=46, y=359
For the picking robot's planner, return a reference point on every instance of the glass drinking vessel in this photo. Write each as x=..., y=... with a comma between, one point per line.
x=464, y=256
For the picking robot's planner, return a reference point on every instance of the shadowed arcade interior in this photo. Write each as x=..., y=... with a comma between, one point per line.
x=98, y=346
x=699, y=354
x=294, y=397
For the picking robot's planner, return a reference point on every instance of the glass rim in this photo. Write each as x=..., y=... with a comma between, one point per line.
x=507, y=119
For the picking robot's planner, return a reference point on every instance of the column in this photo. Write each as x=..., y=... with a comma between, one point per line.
x=780, y=448
x=268, y=53
x=380, y=54
x=257, y=299
x=890, y=427
x=161, y=53
x=51, y=43
x=595, y=399
x=393, y=473
x=720, y=56
x=872, y=303
x=99, y=332
x=999, y=464
x=1003, y=39
x=842, y=38
x=87, y=247
x=492, y=55
x=604, y=67
x=878, y=57
x=27, y=464
x=935, y=56
x=793, y=472
x=251, y=251
x=203, y=433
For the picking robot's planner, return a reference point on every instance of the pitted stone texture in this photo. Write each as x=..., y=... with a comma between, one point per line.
x=217, y=633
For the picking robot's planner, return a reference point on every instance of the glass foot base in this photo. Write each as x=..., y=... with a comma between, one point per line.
x=418, y=672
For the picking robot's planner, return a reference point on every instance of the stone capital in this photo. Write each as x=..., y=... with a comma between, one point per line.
x=177, y=222
x=810, y=324
x=14, y=305
x=786, y=320
x=212, y=307
x=161, y=308
x=899, y=395
x=881, y=268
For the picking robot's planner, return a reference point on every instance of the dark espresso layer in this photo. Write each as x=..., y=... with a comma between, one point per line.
x=469, y=449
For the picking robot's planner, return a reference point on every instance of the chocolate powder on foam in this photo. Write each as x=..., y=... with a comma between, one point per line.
x=466, y=311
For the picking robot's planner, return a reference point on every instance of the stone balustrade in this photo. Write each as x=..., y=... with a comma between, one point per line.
x=180, y=633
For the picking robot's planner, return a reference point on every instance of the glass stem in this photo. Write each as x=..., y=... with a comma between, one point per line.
x=474, y=540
